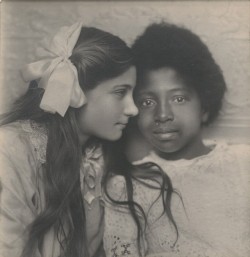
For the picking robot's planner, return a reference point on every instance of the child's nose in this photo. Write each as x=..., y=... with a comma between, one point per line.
x=164, y=113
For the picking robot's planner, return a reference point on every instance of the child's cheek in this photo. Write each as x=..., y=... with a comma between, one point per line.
x=145, y=120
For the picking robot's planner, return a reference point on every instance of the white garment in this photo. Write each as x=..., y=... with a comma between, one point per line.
x=215, y=218
x=22, y=159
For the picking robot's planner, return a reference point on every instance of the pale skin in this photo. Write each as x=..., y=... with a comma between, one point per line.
x=107, y=111
x=109, y=107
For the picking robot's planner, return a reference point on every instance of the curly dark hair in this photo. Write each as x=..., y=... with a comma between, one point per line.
x=167, y=45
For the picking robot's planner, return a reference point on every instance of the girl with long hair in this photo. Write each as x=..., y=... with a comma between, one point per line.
x=53, y=144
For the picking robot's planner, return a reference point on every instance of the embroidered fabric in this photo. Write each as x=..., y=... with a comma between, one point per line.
x=121, y=248
x=38, y=137
x=92, y=161
x=213, y=220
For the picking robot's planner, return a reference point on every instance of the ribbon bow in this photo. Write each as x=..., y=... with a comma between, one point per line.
x=58, y=76
x=91, y=175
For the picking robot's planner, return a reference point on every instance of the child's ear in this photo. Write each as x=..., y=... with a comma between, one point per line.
x=204, y=116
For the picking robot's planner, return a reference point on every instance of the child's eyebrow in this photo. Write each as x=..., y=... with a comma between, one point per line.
x=188, y=90
x=128, y=86
x=152, y=92
x=145, y=92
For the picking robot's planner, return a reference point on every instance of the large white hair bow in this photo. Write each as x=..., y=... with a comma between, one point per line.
x=58, y=76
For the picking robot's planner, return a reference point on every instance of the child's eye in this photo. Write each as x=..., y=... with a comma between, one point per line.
x=121, y=92
x=179, y=99
x=147, y=103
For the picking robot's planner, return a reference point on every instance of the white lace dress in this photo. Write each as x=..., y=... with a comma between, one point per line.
x=22, y=160
x=213, y=220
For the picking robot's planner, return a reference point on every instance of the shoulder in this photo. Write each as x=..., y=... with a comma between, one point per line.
x=10, y=133
x=239, y=149
x=13, y=140
x=20, y=165
x=234, y=162
x=21, y=153
x=230, y=148
x=234, y=152
x=241, y=156
x=23, y=138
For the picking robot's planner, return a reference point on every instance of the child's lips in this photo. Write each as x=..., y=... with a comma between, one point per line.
x=121, y=125
x=165, y=133
x=164, y=130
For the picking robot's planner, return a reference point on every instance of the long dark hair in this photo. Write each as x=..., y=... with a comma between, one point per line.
x=118, y=164
x=97, y=55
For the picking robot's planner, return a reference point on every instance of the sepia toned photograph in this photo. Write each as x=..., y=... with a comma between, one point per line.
x=124, y=128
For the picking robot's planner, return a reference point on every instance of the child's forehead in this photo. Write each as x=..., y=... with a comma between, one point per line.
x=162, y=78
x=165, y=73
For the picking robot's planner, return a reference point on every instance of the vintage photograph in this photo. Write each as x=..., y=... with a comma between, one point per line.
x=124, y=128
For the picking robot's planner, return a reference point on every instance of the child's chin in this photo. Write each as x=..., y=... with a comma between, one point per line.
x=166, y=149
x=114, y=137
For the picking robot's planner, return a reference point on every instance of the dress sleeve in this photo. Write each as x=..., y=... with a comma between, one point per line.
x=17, y=209
x=242, y=154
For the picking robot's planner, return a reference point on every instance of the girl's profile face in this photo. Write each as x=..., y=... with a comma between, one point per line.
x=170, y=113
x=109, y=107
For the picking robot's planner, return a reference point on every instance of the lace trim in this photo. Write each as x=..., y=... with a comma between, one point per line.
x=38, y=137
x=91, y=173
x=92, y=162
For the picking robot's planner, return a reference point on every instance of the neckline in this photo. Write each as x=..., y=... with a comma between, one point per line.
x=215, y=150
